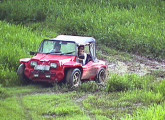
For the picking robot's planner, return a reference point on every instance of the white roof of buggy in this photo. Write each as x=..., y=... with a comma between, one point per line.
x=77, y=39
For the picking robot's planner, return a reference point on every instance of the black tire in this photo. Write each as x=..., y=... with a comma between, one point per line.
x=101, y=76
x=21, y=75
x=73, y=78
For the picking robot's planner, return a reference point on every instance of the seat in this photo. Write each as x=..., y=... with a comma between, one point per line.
x=89, y=58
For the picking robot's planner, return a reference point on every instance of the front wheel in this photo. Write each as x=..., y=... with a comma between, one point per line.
x=73, y=78
x=21, y=75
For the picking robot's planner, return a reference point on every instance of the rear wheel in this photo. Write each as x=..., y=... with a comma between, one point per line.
x=21, y=74
x=73, y=78
x=101, y=76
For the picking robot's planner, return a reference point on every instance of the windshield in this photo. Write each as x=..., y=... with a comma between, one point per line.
x=58, y=47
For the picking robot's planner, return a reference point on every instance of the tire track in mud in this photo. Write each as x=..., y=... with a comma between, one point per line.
x=26, y=112
x=79, y=102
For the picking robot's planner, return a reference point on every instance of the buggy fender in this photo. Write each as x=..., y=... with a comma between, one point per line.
x=71, y=65
x=24, y=60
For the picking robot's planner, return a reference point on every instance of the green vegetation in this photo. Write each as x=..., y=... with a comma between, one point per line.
x=59, y=105
x=3, y=92
x=90, y=86
x=11, y=105
x=161, y=88
x=154, y=112
x=38, y=102
x=158, y=73
x=16, y=42
x=128, y=82
x=135, y=26
x=112, y=55
x=136, y=96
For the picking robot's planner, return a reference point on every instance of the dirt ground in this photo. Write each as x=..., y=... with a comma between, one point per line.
x=138, y=65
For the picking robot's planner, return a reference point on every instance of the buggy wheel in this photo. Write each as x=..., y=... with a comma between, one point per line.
x=73, y=78
x=101, y=76
x=21, y=75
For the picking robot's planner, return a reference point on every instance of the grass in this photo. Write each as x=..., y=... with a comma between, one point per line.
x=142, y=96
x=154, y=112
x=112, y=55
x=158, y=73
x=161, y=88
x=41, y=102
x=128, y=82
x=122, y=25
x=133, y=26
x=90, y=86
x=58, y=105
x=24, y=103
x=16, y=42
x=11, y=105
x=19, y=42
x=3, y=92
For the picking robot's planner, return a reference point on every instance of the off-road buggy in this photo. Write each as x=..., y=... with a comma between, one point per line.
x=57, y=60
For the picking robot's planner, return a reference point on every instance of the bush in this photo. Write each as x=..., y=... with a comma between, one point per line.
x=128, y=82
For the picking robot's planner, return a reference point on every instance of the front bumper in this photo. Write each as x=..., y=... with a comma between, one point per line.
x=47, y=76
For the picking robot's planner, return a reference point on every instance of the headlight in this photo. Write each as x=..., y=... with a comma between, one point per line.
x=53, y=65
x=33, y=63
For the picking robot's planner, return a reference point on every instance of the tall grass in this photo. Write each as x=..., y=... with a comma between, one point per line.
x=161, y=88
x=16, y=42
x=134, y=26
x=128, y=82
x=154, y=112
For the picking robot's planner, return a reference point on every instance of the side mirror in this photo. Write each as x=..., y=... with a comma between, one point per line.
x=81, y=57
x=32, y=53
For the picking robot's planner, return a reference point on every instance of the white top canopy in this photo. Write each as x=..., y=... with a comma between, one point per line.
x=77, y=39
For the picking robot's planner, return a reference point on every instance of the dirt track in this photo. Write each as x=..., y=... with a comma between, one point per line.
x=138, y=65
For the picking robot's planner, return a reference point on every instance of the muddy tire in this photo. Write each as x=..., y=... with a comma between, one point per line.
x=21, y=75
x=101, y=76
x=73, y=78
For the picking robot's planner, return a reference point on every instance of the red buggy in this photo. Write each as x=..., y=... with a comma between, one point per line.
x=57, y=60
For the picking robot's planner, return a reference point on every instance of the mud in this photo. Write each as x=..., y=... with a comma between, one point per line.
x=138, y=65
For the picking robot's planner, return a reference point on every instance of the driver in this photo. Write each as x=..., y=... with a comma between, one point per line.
x=82, y=53
x=57, y=47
